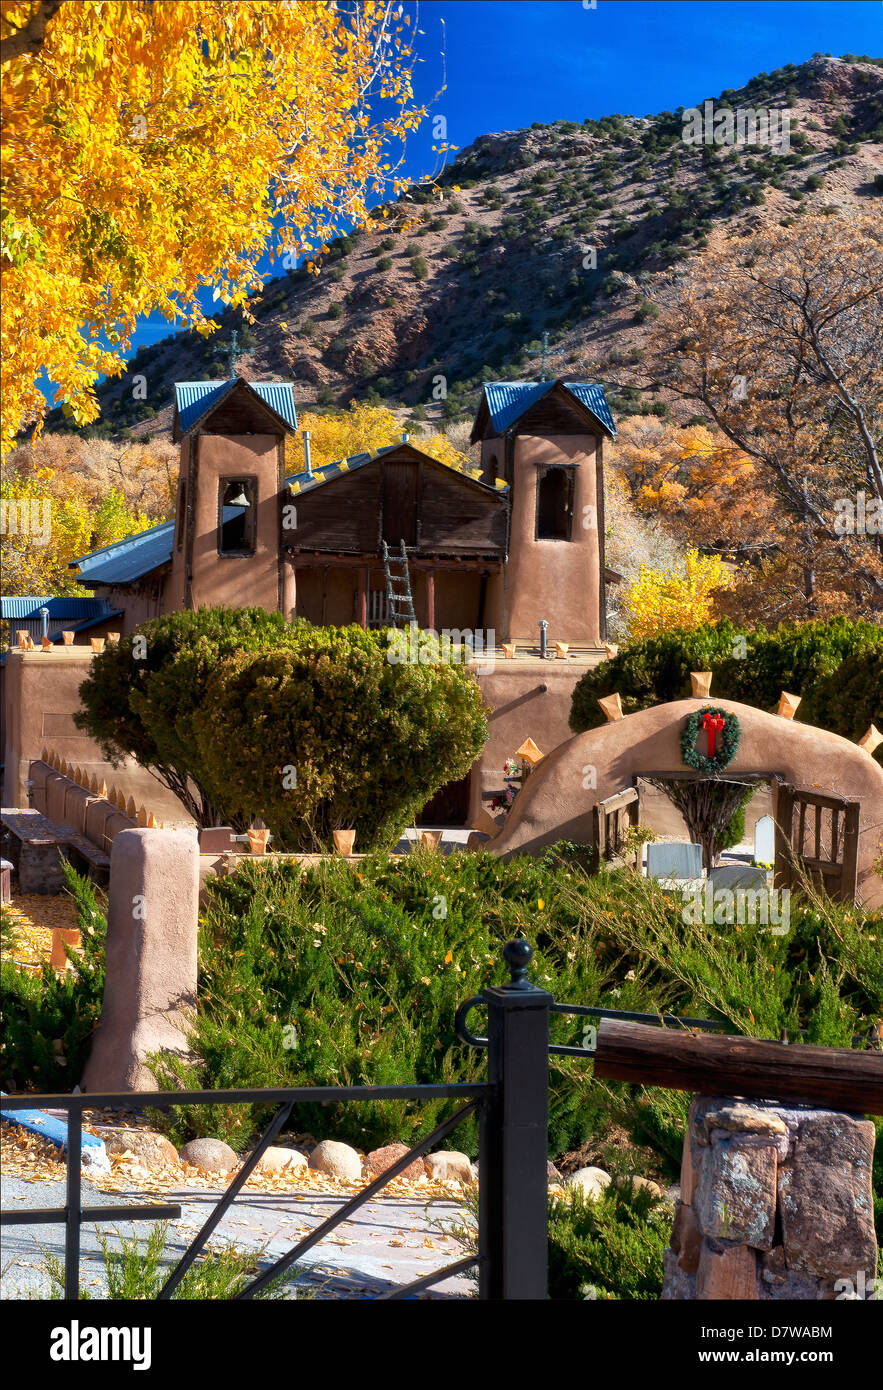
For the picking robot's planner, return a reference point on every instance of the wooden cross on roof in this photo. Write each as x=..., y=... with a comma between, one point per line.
x=231, y=350
x=543, y=352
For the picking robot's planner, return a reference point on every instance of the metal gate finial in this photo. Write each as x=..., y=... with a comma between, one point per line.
x=518, y=955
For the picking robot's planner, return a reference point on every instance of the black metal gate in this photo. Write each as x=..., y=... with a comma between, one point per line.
x=512, y=1107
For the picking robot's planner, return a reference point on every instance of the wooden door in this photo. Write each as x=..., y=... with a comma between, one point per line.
x=449, y=806
x=399, y=504
x=817, y=835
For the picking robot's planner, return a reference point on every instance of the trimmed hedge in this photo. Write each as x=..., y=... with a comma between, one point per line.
x=802, y=658
x=243, y=715
x=851, y=698
x=148, y=708
x=326, y=731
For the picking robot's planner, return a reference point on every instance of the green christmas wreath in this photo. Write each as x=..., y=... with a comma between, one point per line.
x=724, y=734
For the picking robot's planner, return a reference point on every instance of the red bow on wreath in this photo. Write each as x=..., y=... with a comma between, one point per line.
x=713, y=725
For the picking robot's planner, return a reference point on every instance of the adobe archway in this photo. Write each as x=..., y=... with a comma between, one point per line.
x=557, y=799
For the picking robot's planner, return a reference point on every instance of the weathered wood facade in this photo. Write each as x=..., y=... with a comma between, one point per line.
x=400, y=495
x=454, y=528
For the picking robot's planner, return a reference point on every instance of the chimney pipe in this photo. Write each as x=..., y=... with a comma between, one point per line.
x=44, y=614
x=308, y=466
x=543, y=626
x=406, y=438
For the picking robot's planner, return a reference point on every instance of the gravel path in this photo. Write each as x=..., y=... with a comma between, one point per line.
x=384, y=1245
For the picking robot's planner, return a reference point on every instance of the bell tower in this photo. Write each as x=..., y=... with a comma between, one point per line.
x=226, y=547
x=546, y=440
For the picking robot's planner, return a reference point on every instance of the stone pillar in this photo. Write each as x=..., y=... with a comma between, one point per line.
x=775, y=1203
x=150, y=984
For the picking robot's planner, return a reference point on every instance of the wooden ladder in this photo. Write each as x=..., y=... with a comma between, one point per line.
x=401, y=602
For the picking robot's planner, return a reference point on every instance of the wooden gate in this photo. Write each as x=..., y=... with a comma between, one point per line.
x=611, y=818
x=816, y=835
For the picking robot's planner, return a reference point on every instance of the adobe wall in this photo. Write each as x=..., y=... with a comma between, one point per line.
x=41, y=695
x=556, y=802
x=65, y=802
x=555, y=580
x=151, y=975
x=234, y=580
x=528, y=698
x=138, y=605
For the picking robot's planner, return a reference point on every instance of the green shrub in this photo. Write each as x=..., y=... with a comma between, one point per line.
x=384, y=263
x=850, y=699
x=651, y=672
x=137, y=1270
x=368, y=964
x=609, y=1248
x=149, y=708
x=48, y=1019
x=326, y=730
x=793, y=657
x=419, y=268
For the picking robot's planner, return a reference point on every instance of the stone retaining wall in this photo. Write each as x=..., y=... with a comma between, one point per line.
x=776, y=1203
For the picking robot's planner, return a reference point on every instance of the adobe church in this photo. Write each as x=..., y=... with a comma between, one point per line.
x=498, y=549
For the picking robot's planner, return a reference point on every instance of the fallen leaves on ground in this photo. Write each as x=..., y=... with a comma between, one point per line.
x=33, y=915
x=35, y=1159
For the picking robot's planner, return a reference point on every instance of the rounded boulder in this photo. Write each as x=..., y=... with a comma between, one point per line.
x=280, y=1160
x=590, y=1181
x=153, y=1150
x=336, y=1159
x=450, y=1167
x=379, y=1160
x=209, y=1156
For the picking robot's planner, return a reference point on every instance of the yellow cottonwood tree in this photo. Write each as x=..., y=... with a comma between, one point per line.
x=150, y=150
x=73, y=523
x=659, y=600
x=340, y=434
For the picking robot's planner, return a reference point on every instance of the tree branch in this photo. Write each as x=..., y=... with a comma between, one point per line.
x=29, y=39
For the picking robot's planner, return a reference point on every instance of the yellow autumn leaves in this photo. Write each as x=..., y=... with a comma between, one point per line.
x=340, y=434
x=661, y=600
x=151, y=150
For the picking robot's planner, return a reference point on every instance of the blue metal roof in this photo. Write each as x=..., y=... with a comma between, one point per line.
x=193, y=399
x=507, y=401
x=127, y=560
x=594, y=399
x=60, y=609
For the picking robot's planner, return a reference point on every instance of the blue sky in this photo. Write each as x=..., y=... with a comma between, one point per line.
x=509, y=63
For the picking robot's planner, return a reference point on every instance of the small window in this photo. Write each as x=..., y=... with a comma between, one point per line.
x=555, y=504
x=237, y=499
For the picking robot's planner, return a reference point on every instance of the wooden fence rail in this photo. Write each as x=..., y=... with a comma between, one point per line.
x=831, y=1077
